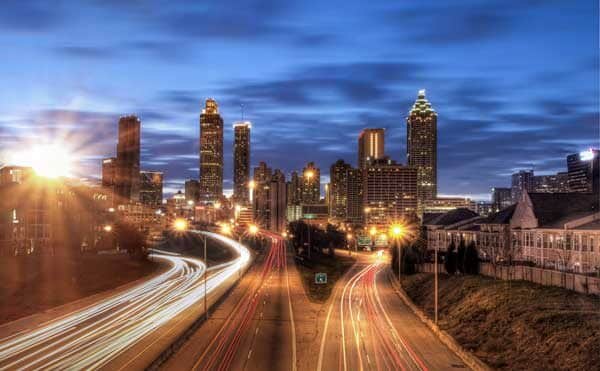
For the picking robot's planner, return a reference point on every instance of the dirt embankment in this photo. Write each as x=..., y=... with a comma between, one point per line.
x=515, y=325
x=31, y=284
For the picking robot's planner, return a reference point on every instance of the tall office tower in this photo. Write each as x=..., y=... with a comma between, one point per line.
x=554, y=183
x=354, y=196
x=127, y=179
x=310, y=184
x=338, y=191
x=192, y=190
x=241, y=161
x=211, y=152
x=277, y=202
x=109, y=169
x=389, y=192
x=261, y=202
x=151, y=188
x=584, y=171
x=371, y=145
x=294, y=189
x=421, y=146
x=521, y=182
x=501, y=198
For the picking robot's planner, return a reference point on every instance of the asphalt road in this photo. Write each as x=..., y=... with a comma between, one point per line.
x=368, y=327
x=253, y=329
x=122, y=330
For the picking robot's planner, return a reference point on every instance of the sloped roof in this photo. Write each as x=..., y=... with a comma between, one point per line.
x=452, y=217
x=501, y=217
x=556, y=209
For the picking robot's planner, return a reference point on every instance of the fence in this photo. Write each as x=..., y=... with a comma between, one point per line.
x=570, y=281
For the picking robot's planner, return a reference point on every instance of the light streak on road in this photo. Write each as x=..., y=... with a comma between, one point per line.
x=373, y=342
x=223, y=350
x=91, y=337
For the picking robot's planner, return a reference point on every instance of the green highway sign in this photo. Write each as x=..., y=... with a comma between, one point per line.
x=320, y=278
x=309, y=216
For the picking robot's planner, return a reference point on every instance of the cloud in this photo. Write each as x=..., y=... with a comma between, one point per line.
x=30, y=16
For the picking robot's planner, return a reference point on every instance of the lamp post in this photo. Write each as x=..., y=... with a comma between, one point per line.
x=397, y=231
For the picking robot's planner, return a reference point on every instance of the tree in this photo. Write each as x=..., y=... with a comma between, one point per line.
x=450, y=261
x=471, y=259
x=130, y=239
x=460, y=257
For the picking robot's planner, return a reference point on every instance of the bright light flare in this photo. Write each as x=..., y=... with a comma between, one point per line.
x=226, y=229
x=48, y=160
x=396, y=230
x=253, y=229
x=180, y=224
x=107, y=228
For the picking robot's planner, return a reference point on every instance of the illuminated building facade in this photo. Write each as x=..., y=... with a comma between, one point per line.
x=371, y=145
x=584, y=171
x=354, y=196
x=277, y=202
x=192, y=190
x=109, y=170
x=15, y=174
x=338, y=191
x=127, y=175
x=151, y=188
x=241, y=161
x=554, y=183
x=310, y=184
x=389, y=192
x=520, y=183
x=294, y=189
x=421, y=146
x=261, y=201
x=211, y=152
x=501, y=198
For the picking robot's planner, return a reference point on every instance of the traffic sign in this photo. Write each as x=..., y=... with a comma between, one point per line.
x=320, y=278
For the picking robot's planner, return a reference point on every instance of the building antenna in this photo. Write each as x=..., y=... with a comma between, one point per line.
x=242, y=108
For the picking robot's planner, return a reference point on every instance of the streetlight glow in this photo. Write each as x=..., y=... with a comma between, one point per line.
x=253, y=229
x=107, y=228
x=180, y=224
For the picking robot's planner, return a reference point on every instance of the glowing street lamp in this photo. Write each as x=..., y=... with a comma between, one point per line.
x=226, y=229
x=107, y=228
x=253, y=229
x=180, y=224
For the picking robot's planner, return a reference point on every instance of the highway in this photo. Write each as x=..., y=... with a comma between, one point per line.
x=368, y=327
x=125, y=330
x=253, y=329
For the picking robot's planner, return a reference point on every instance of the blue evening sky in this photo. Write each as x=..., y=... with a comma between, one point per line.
x=515, y=82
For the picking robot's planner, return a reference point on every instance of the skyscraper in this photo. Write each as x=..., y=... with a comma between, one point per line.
x=311, y=184
x=151, y=188
x=277, y=202
x=554, y=183
x=261, y=202
x=241, y=161
x=421, y=146
x=389, y=192
x=521, y=182
x=109, y=168
x=584, y=171
x=127, y=175
x=294, y=190
x=371, y=145
x=338, y=190
x=354, y=196
x=192, y=190
x=211, y=152
x=501, y=198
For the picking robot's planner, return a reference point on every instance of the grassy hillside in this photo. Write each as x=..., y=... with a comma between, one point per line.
x=515, y=325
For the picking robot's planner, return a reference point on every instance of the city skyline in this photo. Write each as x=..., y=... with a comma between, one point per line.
x=289, y=96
